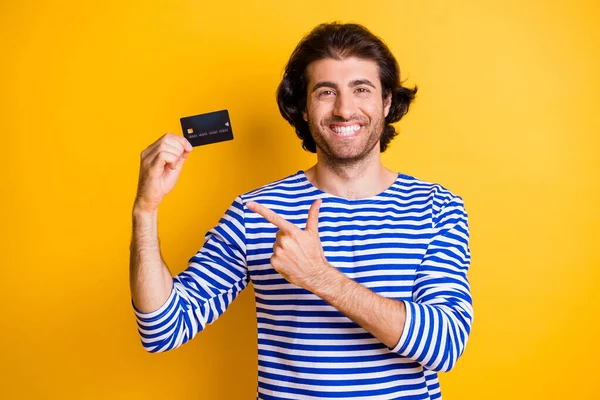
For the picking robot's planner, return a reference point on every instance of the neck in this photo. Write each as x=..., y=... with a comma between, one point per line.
x=351, y=181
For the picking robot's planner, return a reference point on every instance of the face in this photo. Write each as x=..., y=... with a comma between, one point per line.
x=345, y=110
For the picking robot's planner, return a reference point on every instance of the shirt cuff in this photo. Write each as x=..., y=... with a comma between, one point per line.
x=409, y=325
x=165, y=309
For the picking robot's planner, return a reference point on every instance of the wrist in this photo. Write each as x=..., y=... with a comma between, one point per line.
x=143, y=210
x=329, y=283
x=145, y=224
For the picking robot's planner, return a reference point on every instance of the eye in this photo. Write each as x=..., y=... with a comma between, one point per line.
x=363, y=90
x=326, y=93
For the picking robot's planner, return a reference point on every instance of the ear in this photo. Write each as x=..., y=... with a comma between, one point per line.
x=387, y=104
x=305, y=115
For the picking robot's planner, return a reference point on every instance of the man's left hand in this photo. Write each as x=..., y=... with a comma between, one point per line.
x=297, y=254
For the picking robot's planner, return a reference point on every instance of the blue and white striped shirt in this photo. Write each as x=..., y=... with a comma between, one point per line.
x=409, y=243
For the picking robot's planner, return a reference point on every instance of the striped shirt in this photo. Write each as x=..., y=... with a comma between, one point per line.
x=409, y=243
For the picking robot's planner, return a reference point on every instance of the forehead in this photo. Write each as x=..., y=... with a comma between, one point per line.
x=342, y=71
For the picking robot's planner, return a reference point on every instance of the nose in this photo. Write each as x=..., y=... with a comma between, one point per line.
x=344, y=106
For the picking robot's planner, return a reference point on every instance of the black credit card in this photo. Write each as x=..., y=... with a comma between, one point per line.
x=207, y=128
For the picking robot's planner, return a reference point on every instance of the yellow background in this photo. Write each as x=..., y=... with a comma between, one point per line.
x=506, y=116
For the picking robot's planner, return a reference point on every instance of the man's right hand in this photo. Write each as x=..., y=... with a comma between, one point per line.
x=160, y=166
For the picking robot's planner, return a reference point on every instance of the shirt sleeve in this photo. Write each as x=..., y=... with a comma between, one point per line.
x=200, y=294
x=438, y=320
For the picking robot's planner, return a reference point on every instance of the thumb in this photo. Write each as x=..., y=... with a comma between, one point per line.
x=312, y=222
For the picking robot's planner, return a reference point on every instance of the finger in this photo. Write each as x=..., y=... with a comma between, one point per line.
x=169, y=138
x=164, y=147
x=278, y=235
x=312, y=222
x=152, y=147
x=272, y=217
x=158, y=164
x=179, y=163
x=179, y=140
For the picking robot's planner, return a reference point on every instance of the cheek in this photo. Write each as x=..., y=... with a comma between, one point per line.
x=372, y=110
x=317, y=113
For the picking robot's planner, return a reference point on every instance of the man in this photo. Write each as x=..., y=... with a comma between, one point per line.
x=360, y=273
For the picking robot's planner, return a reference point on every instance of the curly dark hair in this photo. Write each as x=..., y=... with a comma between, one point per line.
x=338, y=41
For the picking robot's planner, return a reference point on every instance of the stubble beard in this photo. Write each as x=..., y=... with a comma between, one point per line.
x=345, y=157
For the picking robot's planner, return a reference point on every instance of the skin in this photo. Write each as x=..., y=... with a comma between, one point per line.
x=344, y=93
x=340, y=93
x=160, y=166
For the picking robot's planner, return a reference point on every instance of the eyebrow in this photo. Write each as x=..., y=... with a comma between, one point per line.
x=334, y=85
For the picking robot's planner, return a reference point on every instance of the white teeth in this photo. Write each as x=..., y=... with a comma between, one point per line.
x=345, y=130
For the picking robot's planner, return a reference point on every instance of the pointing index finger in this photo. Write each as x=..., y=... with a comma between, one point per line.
x=271, y=216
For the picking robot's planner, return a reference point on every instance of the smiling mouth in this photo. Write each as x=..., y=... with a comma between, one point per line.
x=345, y=131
